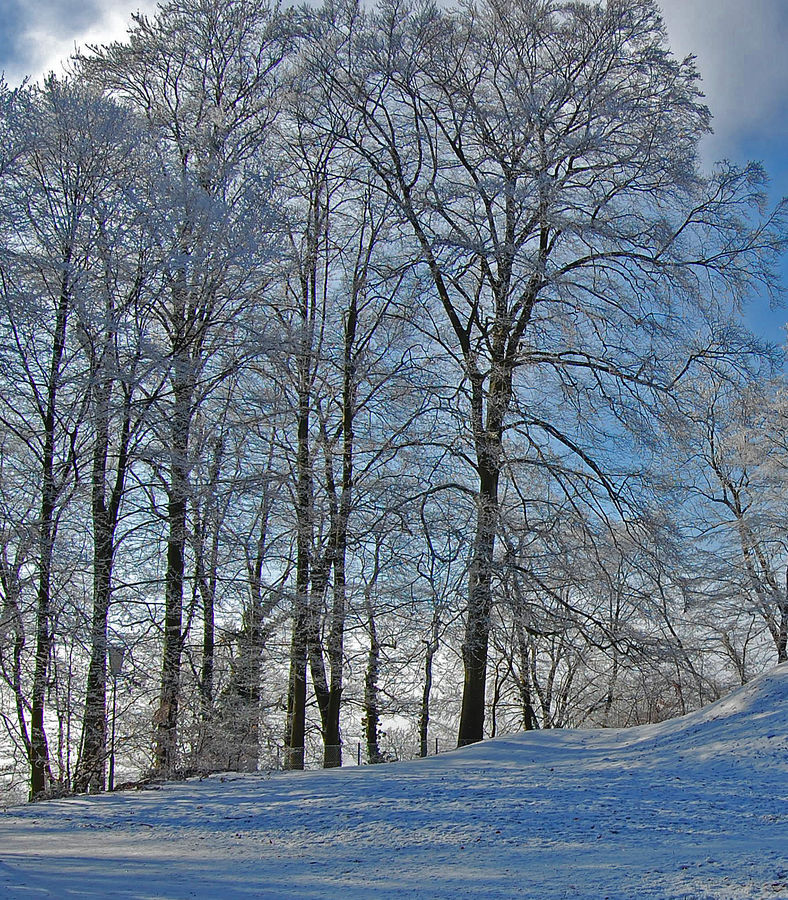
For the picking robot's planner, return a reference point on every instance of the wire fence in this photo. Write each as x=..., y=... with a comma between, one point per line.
x=348, y=754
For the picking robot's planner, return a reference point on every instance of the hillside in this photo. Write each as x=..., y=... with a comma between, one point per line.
x=692, y=808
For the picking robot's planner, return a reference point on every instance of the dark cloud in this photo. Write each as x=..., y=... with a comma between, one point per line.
x=10, y=17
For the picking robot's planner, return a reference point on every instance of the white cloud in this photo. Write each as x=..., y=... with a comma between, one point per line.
x=53, y=31
x=740, y=48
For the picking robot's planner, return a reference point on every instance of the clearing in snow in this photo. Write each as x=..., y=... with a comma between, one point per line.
x=688, y=809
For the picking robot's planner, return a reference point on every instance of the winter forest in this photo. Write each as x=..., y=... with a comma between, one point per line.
x=374, y=380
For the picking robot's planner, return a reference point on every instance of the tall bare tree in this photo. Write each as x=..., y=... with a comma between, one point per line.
x=543, y=158
x=69, y=165
x=202, y=73
x=110, y=328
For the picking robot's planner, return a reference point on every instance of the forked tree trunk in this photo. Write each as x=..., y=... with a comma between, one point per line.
x=341, y=507
x=309, y=300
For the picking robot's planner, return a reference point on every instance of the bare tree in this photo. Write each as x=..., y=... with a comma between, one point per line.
x=543, y=158
x=69, y=163
x=110, y=328
x=202, y=73
x=735, y=451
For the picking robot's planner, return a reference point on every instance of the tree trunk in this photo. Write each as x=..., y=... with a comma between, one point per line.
x=11, y=621
x=782, y=633
x=317, y=666
x=424, y=716
x=40, y=772
x=295, y=729
x=332, y=737
x=207, y=585
x=530, y=722
x=371, y=720
x=206, y=580
x=488, y=428
x=166, y=718
x=91, y=762
x=479, y=609
x=296, y=693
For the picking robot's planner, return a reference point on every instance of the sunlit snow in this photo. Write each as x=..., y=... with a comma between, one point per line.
x=692, y=808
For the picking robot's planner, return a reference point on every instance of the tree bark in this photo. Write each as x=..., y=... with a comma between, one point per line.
x=40, y=772
x=530, y=721
x=295, y=730
x=166, y=718
x=479, y=608
x=371, y=720
x=90, y=769
x=208, y=530
x=424, y=716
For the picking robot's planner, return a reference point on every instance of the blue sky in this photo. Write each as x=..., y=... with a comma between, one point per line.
x=740, y=48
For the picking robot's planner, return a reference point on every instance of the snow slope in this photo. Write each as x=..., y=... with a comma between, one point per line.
x=689, y=809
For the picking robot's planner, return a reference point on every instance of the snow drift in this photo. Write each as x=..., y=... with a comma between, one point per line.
x=688, y=809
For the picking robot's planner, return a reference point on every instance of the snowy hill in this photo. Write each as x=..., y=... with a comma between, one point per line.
x=689, y=809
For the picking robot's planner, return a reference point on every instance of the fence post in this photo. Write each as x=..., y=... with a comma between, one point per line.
x=358, y=754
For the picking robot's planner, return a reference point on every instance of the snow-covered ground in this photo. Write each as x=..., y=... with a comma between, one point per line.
x=692, y=808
